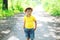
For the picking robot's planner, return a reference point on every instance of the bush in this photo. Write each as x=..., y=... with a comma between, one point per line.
x=55, y=12
x=20, y=8
x=52, y=6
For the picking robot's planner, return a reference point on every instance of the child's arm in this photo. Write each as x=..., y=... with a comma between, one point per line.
x=24, y=25
x=35, y=25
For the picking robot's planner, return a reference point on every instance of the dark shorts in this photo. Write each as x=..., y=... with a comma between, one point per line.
x=29, y=33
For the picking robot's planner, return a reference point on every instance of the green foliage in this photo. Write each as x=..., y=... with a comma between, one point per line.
x=20, y=4
x=19, y=8
x=52, y=6
x=0, y=4
x=55, y=12
x=15, y=6
x=6, y=13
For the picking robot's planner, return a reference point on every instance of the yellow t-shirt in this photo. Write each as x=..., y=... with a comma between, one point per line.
x=29, y=22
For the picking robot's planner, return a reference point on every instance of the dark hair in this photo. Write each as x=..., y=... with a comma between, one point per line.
x=28, y=9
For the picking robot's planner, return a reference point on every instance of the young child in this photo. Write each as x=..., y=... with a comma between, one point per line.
x=30, y=24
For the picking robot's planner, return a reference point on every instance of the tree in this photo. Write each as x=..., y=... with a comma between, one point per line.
x=5, y=4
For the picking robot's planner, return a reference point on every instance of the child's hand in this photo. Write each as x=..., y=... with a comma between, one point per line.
x=35, y=25
x=34, y=29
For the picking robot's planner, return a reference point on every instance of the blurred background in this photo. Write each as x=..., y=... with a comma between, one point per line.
x=47, y=13
x=10, y=7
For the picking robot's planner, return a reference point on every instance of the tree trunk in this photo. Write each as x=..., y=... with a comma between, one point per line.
x=5, y=4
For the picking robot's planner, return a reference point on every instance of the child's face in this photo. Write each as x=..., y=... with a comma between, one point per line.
x=28, y=12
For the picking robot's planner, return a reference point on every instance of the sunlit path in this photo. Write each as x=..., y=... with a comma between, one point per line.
x=44, y=31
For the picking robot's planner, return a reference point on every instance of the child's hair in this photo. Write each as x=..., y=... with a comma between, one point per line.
x=29, y=8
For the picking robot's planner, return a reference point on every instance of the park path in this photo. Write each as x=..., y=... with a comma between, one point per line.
x=46, y=26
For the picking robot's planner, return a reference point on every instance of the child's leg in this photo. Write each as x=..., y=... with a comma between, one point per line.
x=27, y=33
x=32, y=39
x=28, y=38
x=32, y=34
